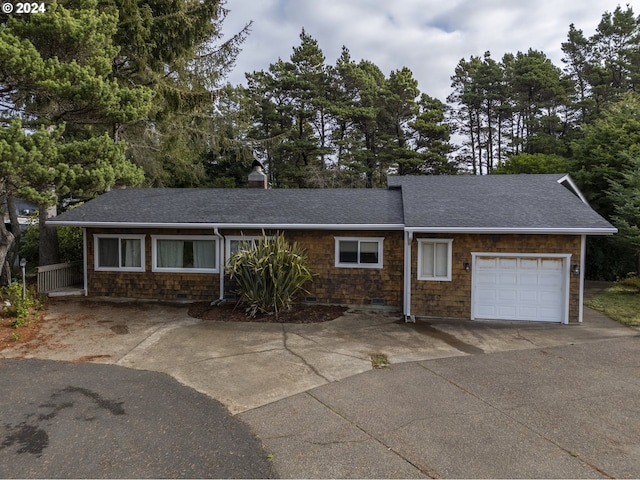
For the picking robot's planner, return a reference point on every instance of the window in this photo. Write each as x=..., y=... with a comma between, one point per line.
x=184, y=253
x=359, y=252
x=434, y=259
x=119, y=253
x=235, y=242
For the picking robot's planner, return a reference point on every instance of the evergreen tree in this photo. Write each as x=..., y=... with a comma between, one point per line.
x=176, y=49
x=60, y=105
x=624, y=195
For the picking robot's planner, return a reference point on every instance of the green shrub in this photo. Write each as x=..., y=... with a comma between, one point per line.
x=29, y=243
x=631, y=284
x=69, y=243
x=18, y=307
x=269, y=275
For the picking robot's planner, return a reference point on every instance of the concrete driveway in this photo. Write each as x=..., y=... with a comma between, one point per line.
x=460, y=399
x=247, y=365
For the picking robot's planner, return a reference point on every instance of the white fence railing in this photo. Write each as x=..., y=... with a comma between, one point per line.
x=60, y=275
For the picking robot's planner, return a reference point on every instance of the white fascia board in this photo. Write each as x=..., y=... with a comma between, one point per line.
x=543, y=231
x=574, y=187
x=253, y=226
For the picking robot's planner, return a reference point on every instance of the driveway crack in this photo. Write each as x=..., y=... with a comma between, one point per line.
x=424, y=469
x=285, y=336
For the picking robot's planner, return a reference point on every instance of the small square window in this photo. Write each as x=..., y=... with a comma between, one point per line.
x=358, y=252
x=434, y=259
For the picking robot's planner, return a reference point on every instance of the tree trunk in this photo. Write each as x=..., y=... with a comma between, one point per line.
x=6, y=241
x=15, y=229
x=48, y=237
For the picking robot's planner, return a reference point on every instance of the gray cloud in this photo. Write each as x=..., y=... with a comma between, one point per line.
x=427, y=36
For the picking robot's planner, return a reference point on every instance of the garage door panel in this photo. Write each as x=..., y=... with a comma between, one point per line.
x=506, y=312
x=551, y=297
x=519, y=288
x=487, y=295
x=528, y=296
x=505, y=278
x=507, y=296
x=487, y=311
x=548, y=313
x=485, y=262
x=507, y=263
x=552, y=264
x=529, y=311
x=487, y=278
x=528, y=279
x=551, y=280
x=528, y=264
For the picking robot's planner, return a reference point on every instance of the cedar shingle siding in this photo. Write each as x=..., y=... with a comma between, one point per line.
x=453, y=299
x=149, y=284
x=331, y=284
x=357, y=286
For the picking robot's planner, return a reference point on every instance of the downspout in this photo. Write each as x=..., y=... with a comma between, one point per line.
x=583, y=254
x=84, y=259
x=222, y=265
x=408, y=240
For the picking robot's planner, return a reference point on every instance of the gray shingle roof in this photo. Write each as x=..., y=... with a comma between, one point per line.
x=160, y=206
x=496, y=203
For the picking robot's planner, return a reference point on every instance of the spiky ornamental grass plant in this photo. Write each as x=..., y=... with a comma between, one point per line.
x=270, y=274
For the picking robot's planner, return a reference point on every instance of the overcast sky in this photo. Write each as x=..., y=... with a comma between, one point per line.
x=427, y=36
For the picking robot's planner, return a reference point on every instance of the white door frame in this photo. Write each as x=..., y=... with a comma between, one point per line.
x=566, y=274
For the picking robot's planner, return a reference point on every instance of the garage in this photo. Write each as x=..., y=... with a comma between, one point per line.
x=520, y=287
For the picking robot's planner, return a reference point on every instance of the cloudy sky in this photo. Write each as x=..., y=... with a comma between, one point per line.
x=427, y=36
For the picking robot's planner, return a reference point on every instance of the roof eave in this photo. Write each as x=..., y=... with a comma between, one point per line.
x=255, y=226
x=516, y=230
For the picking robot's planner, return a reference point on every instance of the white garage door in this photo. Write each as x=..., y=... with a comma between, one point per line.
x=519, y=288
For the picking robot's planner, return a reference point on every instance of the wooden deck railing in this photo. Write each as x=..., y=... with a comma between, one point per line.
x=60, y=275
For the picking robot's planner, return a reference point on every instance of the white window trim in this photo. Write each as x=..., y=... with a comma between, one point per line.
x=96, y=253
x=379, y=240
x=154, y=254
x=230, y=238
x=448, y=242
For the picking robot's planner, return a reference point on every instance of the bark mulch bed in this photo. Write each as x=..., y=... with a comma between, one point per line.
x=298, y=313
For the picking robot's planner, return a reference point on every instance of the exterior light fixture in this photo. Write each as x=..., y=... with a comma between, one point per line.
x=575, y=269
x=467, y=267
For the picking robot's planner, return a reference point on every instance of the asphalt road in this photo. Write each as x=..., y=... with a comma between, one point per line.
x=85, y=420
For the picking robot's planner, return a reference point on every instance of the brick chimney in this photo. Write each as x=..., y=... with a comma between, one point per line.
x=257, y=178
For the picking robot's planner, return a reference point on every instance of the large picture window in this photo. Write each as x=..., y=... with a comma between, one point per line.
x=119, y=253
x=434, y=259
x=353, y=252
x=184, y=253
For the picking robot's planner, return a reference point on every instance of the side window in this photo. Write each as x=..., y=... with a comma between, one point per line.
x=119, y=253
x=358, y=252
x=434, y=259
x=236, y=243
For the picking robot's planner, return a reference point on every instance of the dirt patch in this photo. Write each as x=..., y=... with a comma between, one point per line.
x=298, y=313
x=90, y=358
x=10, y=335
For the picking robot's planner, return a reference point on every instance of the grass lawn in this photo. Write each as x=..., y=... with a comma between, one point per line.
x=620, y=303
